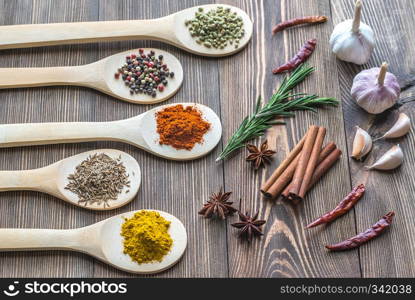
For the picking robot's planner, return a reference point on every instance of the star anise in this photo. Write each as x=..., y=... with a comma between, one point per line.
x=249, y=226
x=218, y=205
x=259, y=156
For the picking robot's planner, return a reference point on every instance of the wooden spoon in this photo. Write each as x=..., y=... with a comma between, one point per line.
x=53, y=179
x=170, y=29
x=98, y=75
x=140, y=131
x=101, y=240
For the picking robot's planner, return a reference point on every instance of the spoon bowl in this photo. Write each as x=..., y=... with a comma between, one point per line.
x=140, y=131
x=210, y=139
x=101, y=240
x=184, y=37
x=54, y=178
x=169, y=29
x=117, y=89
x=98, y=75
x=112, y=245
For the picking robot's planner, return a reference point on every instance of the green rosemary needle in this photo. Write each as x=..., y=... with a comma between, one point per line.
x=281, y=104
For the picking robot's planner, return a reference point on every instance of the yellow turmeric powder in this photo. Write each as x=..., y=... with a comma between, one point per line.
x=146, y=237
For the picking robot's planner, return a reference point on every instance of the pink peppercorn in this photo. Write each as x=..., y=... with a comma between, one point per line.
x=128, y=78
x=161, y=87
x=143, y=56
x=128, y=57
x=133, y=56
x=117, y=75
x=141, y=50
x=156, y=79
x=150, y=64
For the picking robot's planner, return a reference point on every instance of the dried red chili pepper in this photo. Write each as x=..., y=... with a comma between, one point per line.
x=298, y=21
x=363, y=237
x=343, y=207
x=299, y=58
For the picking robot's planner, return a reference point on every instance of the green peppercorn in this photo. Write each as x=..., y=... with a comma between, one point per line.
x=216, y=27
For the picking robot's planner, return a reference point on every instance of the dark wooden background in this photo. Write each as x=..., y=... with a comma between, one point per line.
x=230, y=87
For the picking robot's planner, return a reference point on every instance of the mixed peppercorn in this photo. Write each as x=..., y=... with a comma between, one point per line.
x=144, y=73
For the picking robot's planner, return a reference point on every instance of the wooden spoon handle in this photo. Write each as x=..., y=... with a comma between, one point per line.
x=38, y=239
x=32, y=77
x=35, y=35
x=14, y=135
x=18, y=180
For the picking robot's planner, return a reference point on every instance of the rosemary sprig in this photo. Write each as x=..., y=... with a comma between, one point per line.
x=281, y=104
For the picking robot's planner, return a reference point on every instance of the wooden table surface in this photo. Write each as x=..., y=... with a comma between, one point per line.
x=230, y=87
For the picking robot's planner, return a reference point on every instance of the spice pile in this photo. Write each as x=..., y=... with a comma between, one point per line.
x=146, y=237
x=303, y=167
x=181, y=127
x=144, y=73
x=217, y=28
x=98, y=180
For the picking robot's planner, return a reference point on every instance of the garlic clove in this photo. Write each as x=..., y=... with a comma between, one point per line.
x=390, y=160
x=400, y=128
x=352, y=40
x=362, y=144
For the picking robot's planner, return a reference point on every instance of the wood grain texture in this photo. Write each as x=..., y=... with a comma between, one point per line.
x=230, y=87
x=386, y=191
x=287, y=250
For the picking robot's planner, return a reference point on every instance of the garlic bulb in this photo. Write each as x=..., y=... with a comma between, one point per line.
x=352, y=40
x=400, y=128
x=375, y=89
x=362, y=144
x=390, y=160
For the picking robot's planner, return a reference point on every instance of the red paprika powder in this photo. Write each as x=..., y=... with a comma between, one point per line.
x=181, y=127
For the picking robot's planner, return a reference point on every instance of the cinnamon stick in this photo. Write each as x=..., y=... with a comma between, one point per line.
x=324, y=166
x=286, y=162
x=303, y=161
x=278, y=186
x=321, y=169
x=283, y=180
x=312, y=163
x=329, y=148
x=326, y=151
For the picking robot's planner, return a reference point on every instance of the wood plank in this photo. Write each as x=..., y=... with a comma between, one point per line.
x=182, y=196
x=29, y=209
x=287, y=249
x=182, y=186
x=393, y=24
